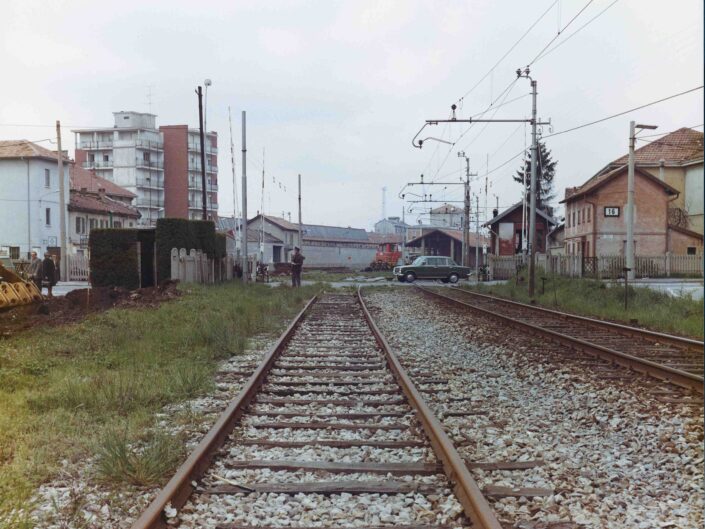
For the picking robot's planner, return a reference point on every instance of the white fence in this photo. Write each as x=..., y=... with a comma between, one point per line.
x=196, y=267
x=77, y=267
x=602, y=267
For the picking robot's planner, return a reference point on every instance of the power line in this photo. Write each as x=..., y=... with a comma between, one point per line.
x=507, y=52
x=575, y=32
x=622, y=113
x=560, y=31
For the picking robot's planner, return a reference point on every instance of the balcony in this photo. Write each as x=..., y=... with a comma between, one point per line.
x=149, y=164
x=195, y=185
x=145, y=202
x=150, y=183
x=95, y=145
x=98, y=164
x=149, y=145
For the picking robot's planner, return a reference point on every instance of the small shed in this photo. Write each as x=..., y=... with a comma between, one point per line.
x=506, y=230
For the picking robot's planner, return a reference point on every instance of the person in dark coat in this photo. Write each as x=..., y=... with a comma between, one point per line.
x=297, y=263
x=49, y=275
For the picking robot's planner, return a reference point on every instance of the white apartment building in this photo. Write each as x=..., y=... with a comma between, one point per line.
x=29, y=199
x=130, y=154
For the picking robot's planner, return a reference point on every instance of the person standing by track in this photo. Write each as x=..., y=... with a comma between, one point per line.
x=297, y=264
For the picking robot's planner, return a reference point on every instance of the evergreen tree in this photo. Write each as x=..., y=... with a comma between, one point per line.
x=546, y=170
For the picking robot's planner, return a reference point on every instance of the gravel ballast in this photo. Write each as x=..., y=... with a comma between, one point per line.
x=607, y=451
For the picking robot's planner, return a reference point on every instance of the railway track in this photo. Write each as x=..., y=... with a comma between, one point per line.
x=329, y=431
x=674, y=359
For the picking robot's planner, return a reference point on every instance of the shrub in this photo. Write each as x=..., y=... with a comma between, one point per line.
x=113, y=260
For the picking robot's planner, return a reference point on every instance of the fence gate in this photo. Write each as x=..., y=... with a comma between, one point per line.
x=77, y=266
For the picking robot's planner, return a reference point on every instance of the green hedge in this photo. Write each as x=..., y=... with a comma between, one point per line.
x=221, y=241
x=113, y=258
x=182, y=233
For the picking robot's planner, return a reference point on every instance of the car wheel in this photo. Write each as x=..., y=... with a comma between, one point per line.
x=410, y=277
x=453, y=278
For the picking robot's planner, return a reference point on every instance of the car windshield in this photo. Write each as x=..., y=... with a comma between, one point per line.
x=418, y=261
x=451, y=262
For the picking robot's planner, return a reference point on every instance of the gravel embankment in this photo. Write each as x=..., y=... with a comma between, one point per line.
x=75, y=500
x=609, y=453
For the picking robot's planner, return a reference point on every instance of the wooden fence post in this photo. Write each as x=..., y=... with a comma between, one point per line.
x=175, y=263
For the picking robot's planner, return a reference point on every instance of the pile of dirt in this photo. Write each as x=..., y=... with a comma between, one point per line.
x=78, y=304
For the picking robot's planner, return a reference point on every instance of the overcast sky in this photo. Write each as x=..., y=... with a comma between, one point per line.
x=336, y=90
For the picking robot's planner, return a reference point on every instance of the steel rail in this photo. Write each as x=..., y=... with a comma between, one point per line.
x=179, y=487
x=627, y=330
x=669, y=374
x=465, y=488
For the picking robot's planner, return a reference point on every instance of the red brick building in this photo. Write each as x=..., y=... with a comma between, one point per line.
x=183, y=190
x=668, y=196
x=506, y=230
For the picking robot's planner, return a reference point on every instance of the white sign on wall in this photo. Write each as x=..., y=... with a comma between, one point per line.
x=611, y=211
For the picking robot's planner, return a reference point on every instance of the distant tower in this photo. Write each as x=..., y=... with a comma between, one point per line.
x=384, y=202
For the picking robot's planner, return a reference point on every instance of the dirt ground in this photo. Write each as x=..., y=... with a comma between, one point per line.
x=78, y=304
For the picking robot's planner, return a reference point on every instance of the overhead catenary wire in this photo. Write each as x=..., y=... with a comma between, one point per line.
x=489, y=72
x=575, y=32
x=623, y=112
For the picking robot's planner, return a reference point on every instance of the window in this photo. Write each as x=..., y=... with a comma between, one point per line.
x=47, y=178
x=80, y=225
x=690, y=250
x=117, y=224
x=587, y=248
x=145, y=156
x=580, y=214
x=47, y=216
x=588, y=214
x=91, y=157
x=573, y=219
x=14, y=252
x=92, y=223
x=105, y=158
x=131, y=224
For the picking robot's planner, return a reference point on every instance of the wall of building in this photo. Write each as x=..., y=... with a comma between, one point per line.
x=329, y=255
x=694, y=197
x=175, y=171
x=607, y=235
x=679, y=243
x=77, y=240
x=23, y=204
x=506, y=234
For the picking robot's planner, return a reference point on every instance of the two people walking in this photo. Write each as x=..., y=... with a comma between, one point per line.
x=43, y=272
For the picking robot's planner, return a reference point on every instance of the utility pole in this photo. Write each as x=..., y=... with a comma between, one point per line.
x=532, y=202
x=477, y=238
x=232, y=166
x=465, y=258
x=534, y=123
x=63, y=258
x=243, y=231
x=203, y=152
x=301, y=242
x=630, y=197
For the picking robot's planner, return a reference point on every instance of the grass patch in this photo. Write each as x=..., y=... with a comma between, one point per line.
x=65, y=391
x=587, y=297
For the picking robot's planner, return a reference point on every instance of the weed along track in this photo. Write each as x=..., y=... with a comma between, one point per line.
x=676, y=360
x=328, y=432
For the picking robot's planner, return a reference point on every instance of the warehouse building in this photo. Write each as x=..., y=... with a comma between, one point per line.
x=323, y=246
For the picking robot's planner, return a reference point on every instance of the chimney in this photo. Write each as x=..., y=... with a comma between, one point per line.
x=495, y=212
x=661, y=169
x=101, y=192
